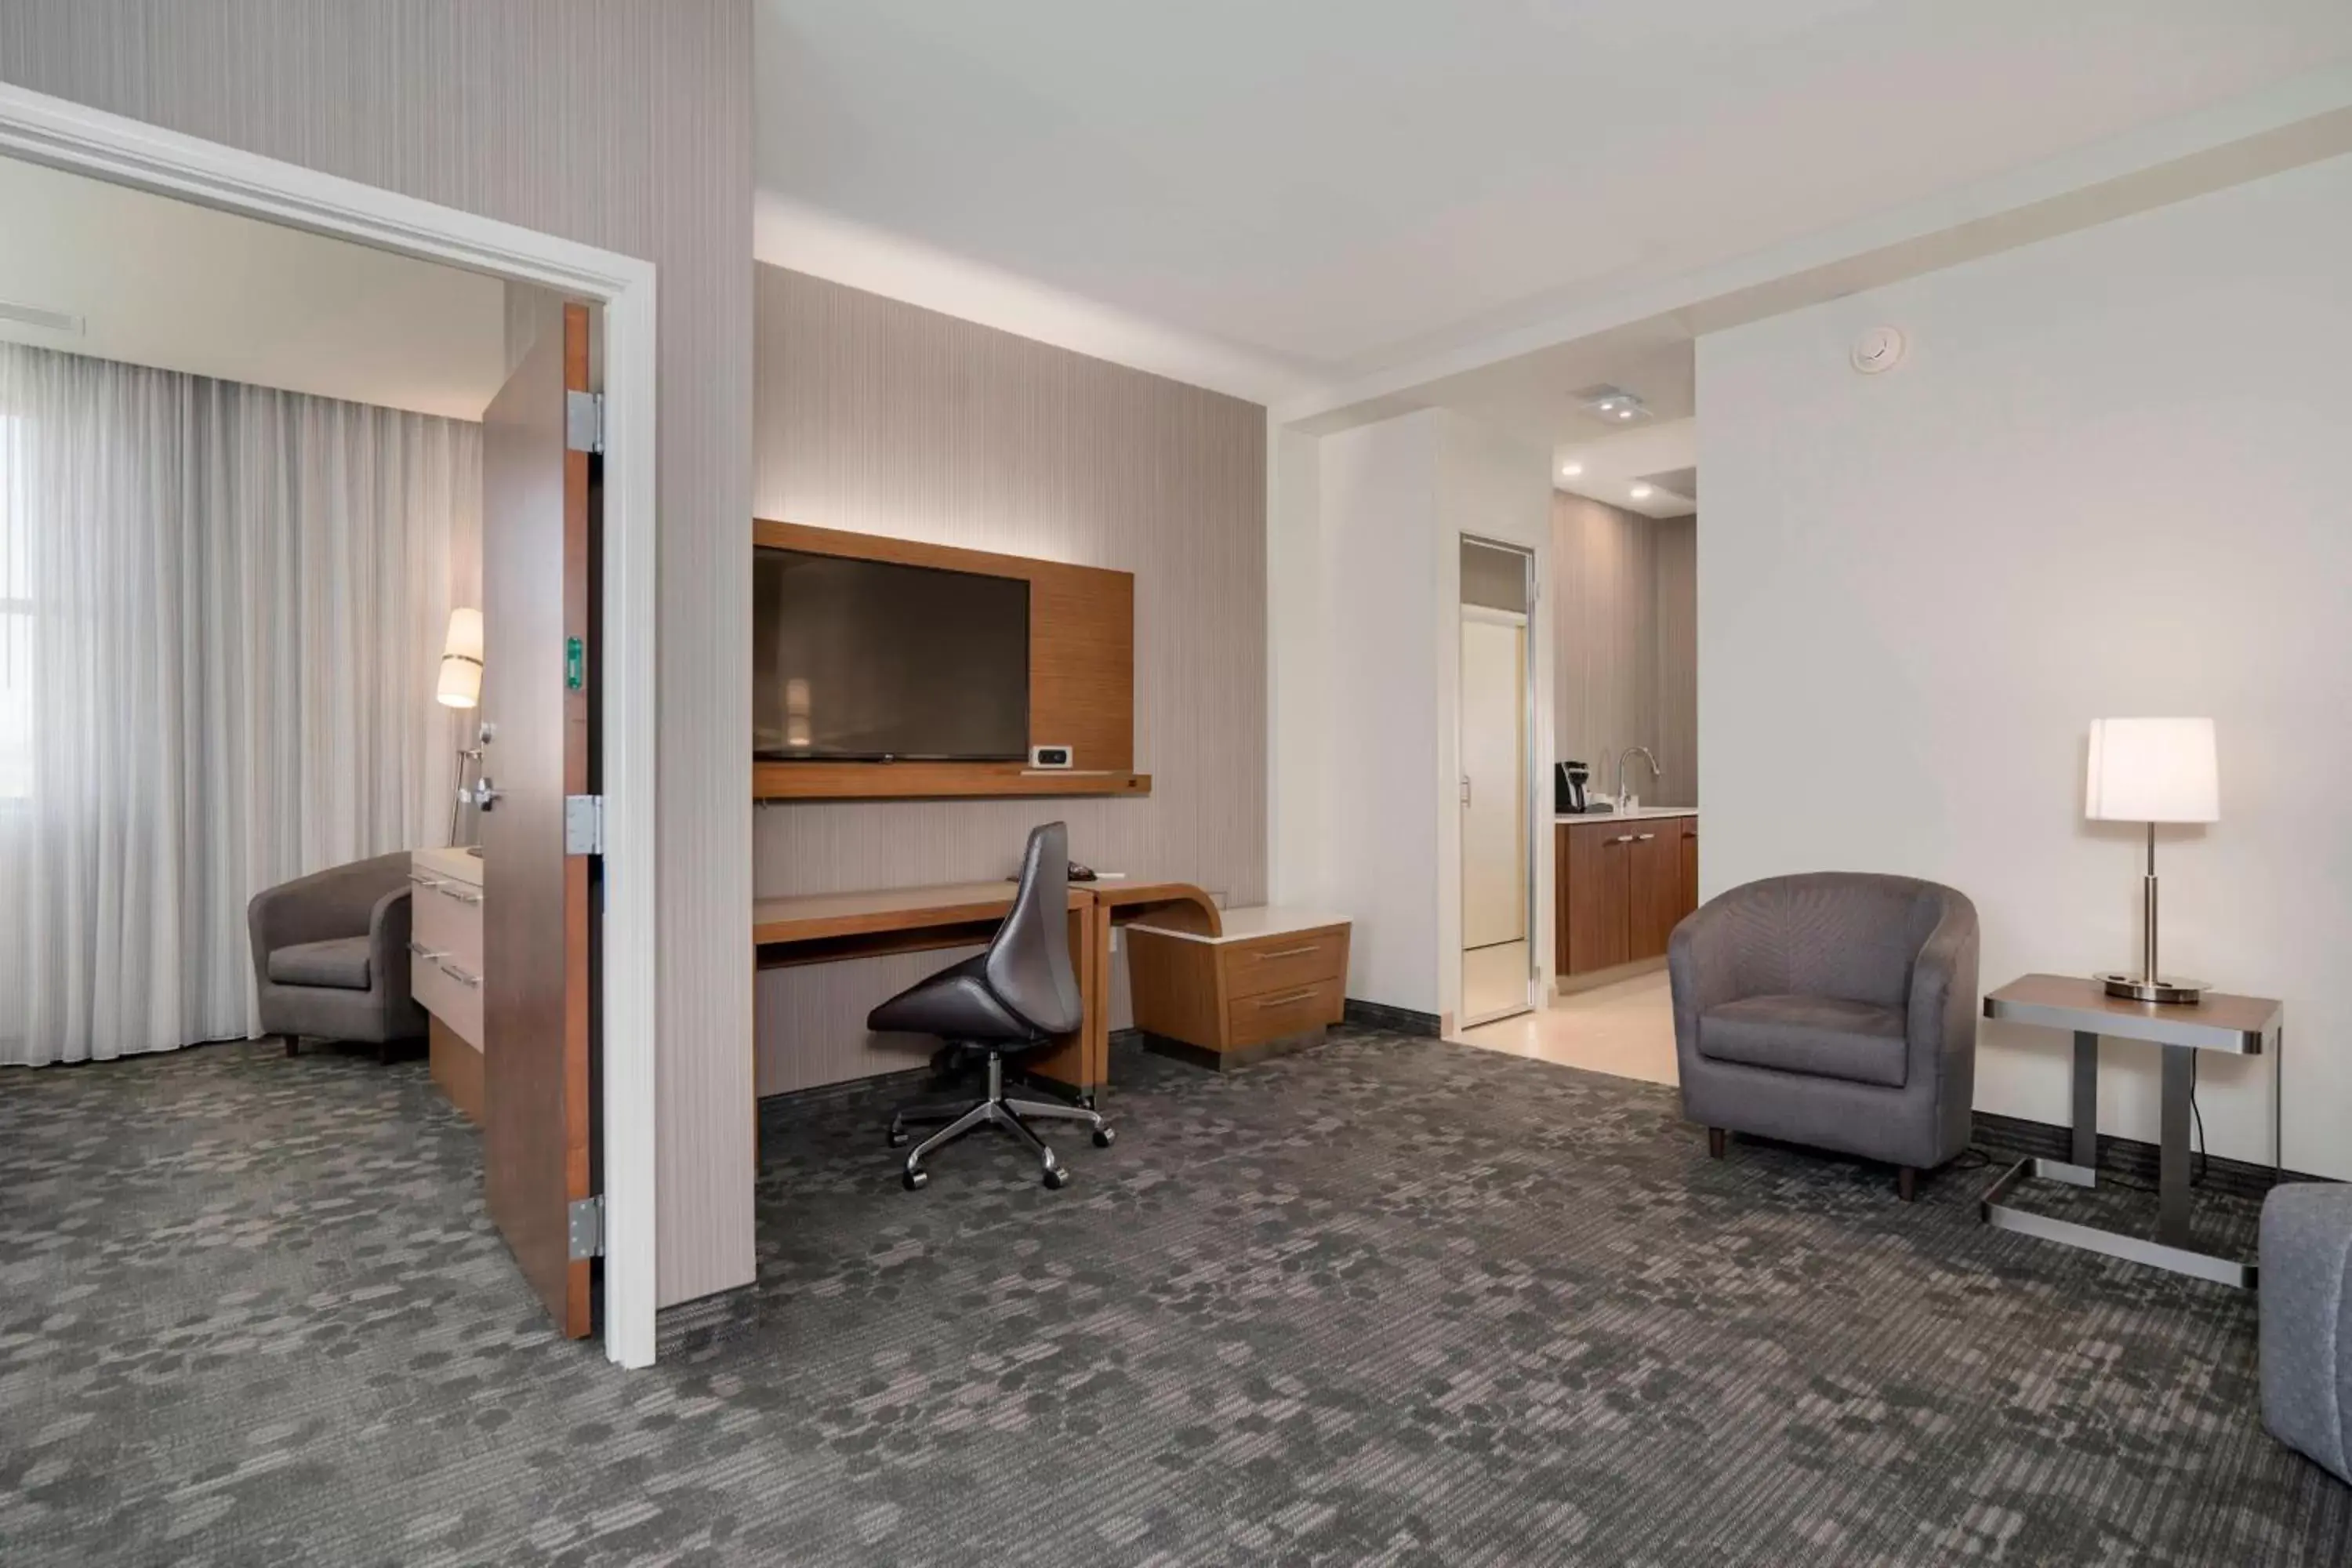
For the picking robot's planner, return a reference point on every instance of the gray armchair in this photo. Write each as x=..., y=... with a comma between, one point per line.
x=331, y=956
x=1837, y=1010
x=2306, y=1321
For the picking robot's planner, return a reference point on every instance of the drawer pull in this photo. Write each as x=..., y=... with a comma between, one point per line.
x=1622, y=838
x=422, y=880
x=454, y=891
x=1288, y=952
x=418, y=949
x=1286, y=998
x=460, y=976
x=1647, y=836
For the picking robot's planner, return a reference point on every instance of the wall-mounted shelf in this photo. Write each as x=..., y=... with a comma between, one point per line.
x=930, y=781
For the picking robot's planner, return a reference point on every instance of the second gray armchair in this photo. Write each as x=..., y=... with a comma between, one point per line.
x=330, y=955
x=1836, y=1010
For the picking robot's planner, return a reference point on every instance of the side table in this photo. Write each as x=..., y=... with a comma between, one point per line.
x=2235, y=1025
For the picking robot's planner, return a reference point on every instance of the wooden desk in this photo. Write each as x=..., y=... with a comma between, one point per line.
x=826, y=927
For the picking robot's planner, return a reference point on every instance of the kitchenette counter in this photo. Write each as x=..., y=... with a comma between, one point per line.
x=1640, y=814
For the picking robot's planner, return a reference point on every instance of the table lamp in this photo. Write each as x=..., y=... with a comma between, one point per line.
x=2152, y=771
x=461, y=687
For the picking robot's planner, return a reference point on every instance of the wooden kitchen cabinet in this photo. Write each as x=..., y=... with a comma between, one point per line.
x=1621, y=886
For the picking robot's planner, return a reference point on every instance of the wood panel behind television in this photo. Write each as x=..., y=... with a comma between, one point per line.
x=1081, y=681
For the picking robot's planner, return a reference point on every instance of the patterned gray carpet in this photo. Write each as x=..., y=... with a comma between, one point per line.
x=1391, y=1301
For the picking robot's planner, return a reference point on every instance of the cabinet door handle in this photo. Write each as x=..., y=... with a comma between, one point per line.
x=1287, y=952
x=1286, y=998
x=460, y=976
x=1647, y=836
x=1622, y=838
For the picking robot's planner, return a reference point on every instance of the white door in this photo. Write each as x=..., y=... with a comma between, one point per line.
x=1494, y=779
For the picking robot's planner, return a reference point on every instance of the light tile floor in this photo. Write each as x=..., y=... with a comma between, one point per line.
x=1626, y=1030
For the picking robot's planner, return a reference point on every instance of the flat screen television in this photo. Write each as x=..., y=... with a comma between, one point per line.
x=872, y=660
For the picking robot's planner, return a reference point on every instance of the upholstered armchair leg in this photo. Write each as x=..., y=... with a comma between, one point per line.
x=293, y=1045
x=1906, y=1184
x=1716, y=1138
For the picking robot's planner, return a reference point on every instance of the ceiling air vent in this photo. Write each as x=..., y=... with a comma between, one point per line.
x=34, y=316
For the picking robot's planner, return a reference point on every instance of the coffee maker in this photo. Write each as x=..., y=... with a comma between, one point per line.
x=1567, y=787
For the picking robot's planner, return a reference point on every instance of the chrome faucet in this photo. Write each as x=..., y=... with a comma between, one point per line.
x=1658, y=775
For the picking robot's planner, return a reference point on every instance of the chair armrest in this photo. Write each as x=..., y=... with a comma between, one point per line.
x=337, y=902
x=389, y=925
x=1702, y=968
x=1941, y=1024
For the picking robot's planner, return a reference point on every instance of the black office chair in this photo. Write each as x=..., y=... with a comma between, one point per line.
x=1014, y=998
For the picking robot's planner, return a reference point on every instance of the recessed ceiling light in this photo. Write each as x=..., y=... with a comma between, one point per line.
x=1569, y=470
x=1640, y=492
x=1613, y=402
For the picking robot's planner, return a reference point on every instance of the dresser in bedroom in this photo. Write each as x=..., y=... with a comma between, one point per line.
x=445, y=968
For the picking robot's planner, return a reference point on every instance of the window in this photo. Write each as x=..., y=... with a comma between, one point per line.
x=16, y=618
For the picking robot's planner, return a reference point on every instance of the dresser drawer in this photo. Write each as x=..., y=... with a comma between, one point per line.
x=1271, y=1016
x=1285, y=963
x=446, y=918
x=449, y=989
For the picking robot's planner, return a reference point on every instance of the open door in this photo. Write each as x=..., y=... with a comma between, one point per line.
x=538, y=710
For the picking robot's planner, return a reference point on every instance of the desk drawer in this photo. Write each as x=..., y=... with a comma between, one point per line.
x=446, y=918
x=1253, y=1020
x=450, y=990
x=1284, y=963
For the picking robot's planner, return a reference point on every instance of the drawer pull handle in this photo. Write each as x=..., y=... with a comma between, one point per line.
x=1289, y=953
x=1286, y=998
x=452, y=889
x=1647, y=836
x=460, y=976
x=1622, y=838
x=424, y=881
x=418, y=949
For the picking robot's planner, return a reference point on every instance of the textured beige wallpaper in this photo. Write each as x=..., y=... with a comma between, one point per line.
x=1625, y=644
x=879, y=417
x=623, y=123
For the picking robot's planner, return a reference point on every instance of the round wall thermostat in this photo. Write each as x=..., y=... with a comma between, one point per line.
x=1879, y=348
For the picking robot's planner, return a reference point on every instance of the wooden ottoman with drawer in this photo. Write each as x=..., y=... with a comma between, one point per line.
x=1272, y=982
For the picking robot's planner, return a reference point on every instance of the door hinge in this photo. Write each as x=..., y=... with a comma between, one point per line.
x=583, y=421
x=587, y=1227
x=584, y=824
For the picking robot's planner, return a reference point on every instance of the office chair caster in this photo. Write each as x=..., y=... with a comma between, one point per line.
x=1056, y=1177
x=1103, y=1136
x=899, y=1135
x=915, y=1181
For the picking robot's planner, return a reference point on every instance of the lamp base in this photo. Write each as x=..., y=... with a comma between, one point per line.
x=2156, y=988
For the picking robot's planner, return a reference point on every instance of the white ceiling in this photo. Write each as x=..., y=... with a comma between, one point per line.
x=166, y=283
x=1309, y=192
x=1608, y=468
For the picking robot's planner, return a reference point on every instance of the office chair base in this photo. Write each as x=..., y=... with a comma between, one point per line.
x=996, y=1111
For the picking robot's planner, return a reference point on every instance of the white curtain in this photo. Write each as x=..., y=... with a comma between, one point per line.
x=221, y=613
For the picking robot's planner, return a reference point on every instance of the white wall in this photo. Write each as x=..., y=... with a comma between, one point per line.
x=1377, y=617
x=1363, y=587
x=2111, y=479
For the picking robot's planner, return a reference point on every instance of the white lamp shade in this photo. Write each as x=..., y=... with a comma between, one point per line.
x=461, y=660
x=2153, y=770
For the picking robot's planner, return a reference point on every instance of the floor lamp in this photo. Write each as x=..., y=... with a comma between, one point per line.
x=461, y=687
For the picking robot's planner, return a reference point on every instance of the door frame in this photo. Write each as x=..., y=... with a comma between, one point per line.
x=74, y=137
x=1538, y=819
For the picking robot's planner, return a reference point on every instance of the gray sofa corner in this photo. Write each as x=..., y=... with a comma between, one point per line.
x=330, y=955
x=1834, y=1009
x=2306, y=1321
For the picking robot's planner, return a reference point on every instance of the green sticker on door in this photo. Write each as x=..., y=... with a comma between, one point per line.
x=575, y=664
